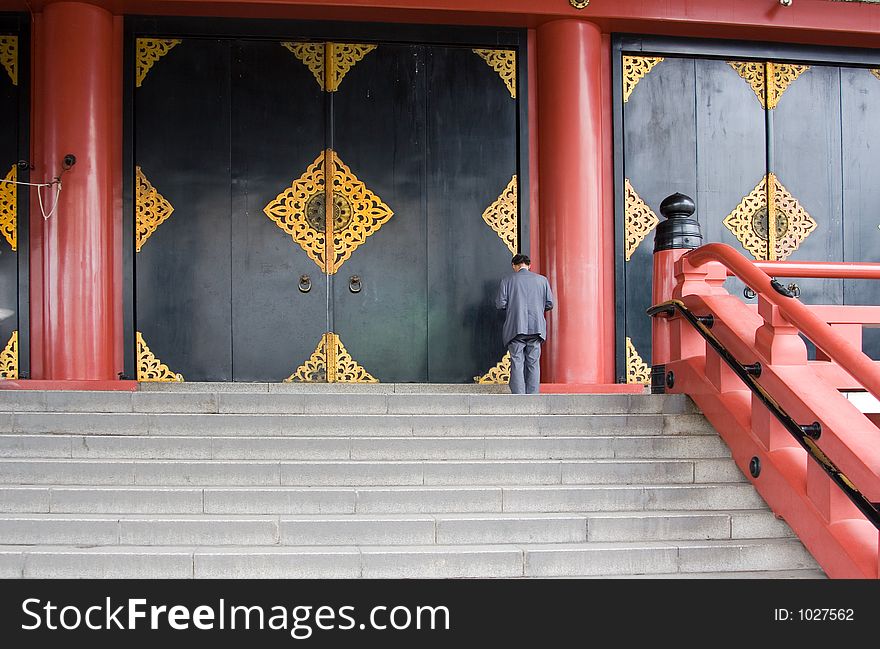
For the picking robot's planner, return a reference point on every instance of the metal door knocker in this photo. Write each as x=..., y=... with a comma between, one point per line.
x=305, y=283
x=354, y=284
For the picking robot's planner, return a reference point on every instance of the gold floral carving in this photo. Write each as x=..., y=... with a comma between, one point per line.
x=330, y=363
x=357, y=212
x=504, y=63
x=150, y=368
x=151, y=209
x=637, y=370
x=312, y=56
x=501, y=215
x=9, y=358
x=751, y=221
x=634, y=70
x=498, y=375
x=876, y=72
x=9, y=207
x=640, y=219
x=579, y=4
x=342, y=56
x=9, y=56
x=150, y=50
x=768, y=80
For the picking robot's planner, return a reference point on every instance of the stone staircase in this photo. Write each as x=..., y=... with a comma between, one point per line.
x=288, y=481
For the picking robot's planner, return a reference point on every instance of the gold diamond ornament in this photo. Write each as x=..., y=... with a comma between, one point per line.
x=501, y=215
x=9, y=358
x=300, y=211
x=151, y=209
x=9, y=208
x=640, y=219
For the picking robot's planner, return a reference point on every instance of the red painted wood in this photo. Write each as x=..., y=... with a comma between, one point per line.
x=592, y=388
x=128, y=386
x=570, y=163
x=820, y=269
x=76, y=327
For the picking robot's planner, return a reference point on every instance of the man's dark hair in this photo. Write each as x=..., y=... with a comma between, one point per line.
x=521, y=259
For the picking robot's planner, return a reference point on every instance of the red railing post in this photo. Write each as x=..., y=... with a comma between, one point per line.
x=677, y=234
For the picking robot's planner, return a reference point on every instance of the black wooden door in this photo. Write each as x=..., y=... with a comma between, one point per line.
x=774, y=153
x=183, y=222
x=379, y=292
x=472, y=209
x=13, y=198
x=279, y=294
x=322, y=211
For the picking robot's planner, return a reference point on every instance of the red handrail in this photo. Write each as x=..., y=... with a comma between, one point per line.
x=819, y=269
x=819, y=332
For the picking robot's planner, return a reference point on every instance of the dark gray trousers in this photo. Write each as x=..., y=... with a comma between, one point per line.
x=525, y=364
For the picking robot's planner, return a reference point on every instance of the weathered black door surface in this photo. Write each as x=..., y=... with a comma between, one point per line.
x=250, y=152
x=13, y=199
x=777, y=156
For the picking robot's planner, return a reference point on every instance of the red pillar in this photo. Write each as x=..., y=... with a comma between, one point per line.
x=74, y=314
x=572, y=202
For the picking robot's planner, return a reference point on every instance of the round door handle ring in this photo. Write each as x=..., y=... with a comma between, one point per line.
x=354, y=284
x=305, y=283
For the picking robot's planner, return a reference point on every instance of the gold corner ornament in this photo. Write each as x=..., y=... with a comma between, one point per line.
x=769, y=222
x=151, y=209
x=498, y=375
x=148, y=51
x=342, y=57
x=354, y=212
x=504, y=63
x=9, y=56
x=330, y=363
x=9, y=207
x=634, y=70
x=501, y=215
x=150, y=368
x=9, y=358
x=637, y=370
x=876, y=72
x=768, y=80
x=579, y=4
x=639, y=219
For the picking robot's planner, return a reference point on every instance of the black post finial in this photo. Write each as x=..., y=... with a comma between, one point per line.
x=679, y=230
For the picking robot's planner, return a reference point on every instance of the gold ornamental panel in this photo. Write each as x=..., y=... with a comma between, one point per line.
x=342, y=57
x=639, y=219
x=498, y=375
x=768, y=80
x=151, y=209
x=148, y=51
x=301, y=211
x=9, y=56
x=876, y=72
x=637, y=370
x=769, y=222
x=9, y=358
x=504, y=63
x=634, y=70
x=150, y=368
x=501, y=215
x=330, y=363
x=9, y=207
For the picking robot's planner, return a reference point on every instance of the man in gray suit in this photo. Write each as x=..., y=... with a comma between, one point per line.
x=525, y=296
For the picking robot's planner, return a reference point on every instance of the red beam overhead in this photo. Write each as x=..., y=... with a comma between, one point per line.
x=808, y=21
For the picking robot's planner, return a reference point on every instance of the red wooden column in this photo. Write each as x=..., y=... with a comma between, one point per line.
x=570, y=166
x=74, y=315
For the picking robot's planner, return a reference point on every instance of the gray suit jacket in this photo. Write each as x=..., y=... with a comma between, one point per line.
x=525, y=296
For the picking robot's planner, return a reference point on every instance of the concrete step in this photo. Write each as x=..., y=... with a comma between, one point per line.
x=363, y=472
x=361, y=448
x=379, y=529
x=441, y=561
x=90, y=499
x=367, y=425
x=222, y=402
